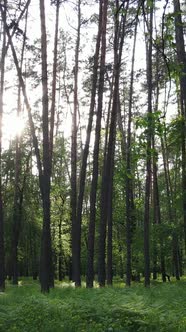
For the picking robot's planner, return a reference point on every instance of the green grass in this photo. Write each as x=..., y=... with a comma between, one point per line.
x=117, y=309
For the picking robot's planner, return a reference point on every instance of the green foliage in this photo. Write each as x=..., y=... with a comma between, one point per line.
x=175, y=130
x=160, y=308
x=142, y=122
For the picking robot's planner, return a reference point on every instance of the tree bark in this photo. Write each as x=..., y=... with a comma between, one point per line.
x=96, y=148
x=156, y=197
x=108, y=170
x=148, y=154
x=60, y=255
x=54, y=80
x=129, y=184
x=17, y=208
x=46, y=266
x=181, y=58
x=2, y=253
x=89, y=274
x=76, y=225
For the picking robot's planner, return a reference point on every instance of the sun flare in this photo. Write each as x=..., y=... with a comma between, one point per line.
x=13, y=125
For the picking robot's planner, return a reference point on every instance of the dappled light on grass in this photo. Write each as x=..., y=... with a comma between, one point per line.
x=65, y=284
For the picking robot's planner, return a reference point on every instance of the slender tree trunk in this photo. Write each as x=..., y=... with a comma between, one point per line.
x=90, y=257
x=120, y=249
x=156, y=198
x=107, y=178
x=170, y=200
x=53, y=103
x=46, y=267
x=35, y=262
x=129, y=185
x=17, y=209
x=16, y=214
x=148, y=154
x=171, y=212
x=157, y=220
x=181, y=58
x=60, y=255
x=109, y=274
x=86, y=151
x=54, y=79
x=175, y=234
x=116, y=110
x=180, y=257
x=96, y=151
x=123, y=133
x=76, y=225
x=2, y=253
x=105, y=186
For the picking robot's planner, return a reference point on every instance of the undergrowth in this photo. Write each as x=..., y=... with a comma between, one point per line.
x=160, y=308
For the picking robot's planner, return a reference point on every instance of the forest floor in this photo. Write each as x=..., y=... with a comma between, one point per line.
x=162, y=307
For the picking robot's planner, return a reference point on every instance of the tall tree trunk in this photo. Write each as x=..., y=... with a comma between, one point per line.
x=175, y=236
x=148, y=153
x=96, y=150
x=109, y=267
x=54, y=79
x=181, y=58
x=109, y=270
x=116, y=111
x=170, y=200
x=53, y=102
x=46, y=267
x=157, y=219
x=86, y=150
x=156, y=198
x=129, y=185
x=17, y=209
x=107, y=177
x=76, y=225
x=2, y=253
